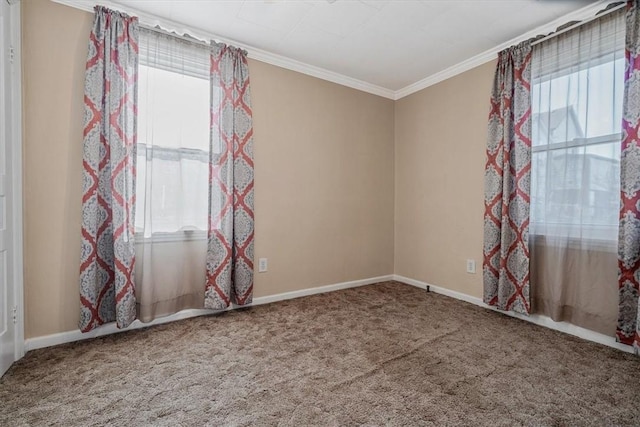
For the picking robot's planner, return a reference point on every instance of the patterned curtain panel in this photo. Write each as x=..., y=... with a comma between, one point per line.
x=230, y=234
x=507, y=182
x=109, y=156
x=629, y=234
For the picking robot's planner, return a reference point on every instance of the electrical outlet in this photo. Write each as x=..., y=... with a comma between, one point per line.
x=262, y=265
x=471, y=266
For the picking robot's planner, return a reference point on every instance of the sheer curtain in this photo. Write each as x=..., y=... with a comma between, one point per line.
x=628, y=331
x=173, y=174
x=577, y=91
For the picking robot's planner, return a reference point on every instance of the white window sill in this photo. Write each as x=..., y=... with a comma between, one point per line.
x=551, y=240
x=176, y=236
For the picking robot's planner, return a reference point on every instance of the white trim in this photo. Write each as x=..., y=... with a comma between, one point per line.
x=253, y=52
x=70, y=336
x=170, y=236
x=537, y=319
x=491, y=54
x=16, y=178
x=76, y=335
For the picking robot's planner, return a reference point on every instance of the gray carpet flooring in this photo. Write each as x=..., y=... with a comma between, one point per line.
x=385, y=354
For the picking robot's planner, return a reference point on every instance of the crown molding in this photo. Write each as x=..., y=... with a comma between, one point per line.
x=491, y=54
x=253, y=52
x=331, y=76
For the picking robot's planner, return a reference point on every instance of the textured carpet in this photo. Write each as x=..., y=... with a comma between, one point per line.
x=385, y=354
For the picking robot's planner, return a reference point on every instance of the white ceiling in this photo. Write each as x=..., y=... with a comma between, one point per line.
x=387, y=43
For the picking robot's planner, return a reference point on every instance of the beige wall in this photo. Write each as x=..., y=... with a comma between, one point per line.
x=439, y=182
x=324, y=181
x=324, y=173
x=54, y=41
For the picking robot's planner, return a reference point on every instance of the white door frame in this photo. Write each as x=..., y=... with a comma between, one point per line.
x=14, y=120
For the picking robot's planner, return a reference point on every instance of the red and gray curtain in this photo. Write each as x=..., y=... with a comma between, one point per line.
x=628, y=331
x=107, y=290
x=507, y=183
x=230, y=234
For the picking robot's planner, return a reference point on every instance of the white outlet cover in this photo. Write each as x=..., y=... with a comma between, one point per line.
x=471, y=266
x=262, y=265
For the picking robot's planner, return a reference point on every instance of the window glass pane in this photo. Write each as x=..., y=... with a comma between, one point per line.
x=603, y=183
x=173, y=109
x=582, y=104
x=179, y=195
x=601, y=109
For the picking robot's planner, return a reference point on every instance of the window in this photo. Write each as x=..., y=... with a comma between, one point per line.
x=577, y=95
x=173, y=137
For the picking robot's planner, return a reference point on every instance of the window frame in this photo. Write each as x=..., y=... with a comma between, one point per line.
x=611, y=51
x=181, y=235
x=607, y=245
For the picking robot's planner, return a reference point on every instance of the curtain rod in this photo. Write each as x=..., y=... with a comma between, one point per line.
x=578, y=24
x=185, y=37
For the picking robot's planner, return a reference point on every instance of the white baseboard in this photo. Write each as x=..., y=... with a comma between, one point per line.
x=76, y=335
x=321, y=289
x=538, y=319
x=568, y=328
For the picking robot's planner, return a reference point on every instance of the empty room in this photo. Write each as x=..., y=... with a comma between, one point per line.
x=319, y=212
